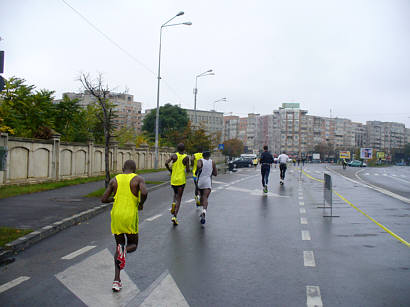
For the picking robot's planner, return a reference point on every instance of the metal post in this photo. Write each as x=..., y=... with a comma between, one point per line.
x=195, y=92
x=157, y=112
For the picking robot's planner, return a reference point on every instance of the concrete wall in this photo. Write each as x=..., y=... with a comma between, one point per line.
x=34, y=160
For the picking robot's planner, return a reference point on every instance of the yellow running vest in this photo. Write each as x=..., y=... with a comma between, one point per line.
x=178, y=176
x=197, y=156
x=124, y=212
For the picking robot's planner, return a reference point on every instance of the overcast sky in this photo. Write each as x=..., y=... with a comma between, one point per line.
x=351, y=57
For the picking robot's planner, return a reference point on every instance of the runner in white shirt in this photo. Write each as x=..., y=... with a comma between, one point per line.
x=282, y=160
x=205, y=169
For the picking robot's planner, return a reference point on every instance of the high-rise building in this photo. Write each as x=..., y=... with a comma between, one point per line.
x=385, y=135
x=127, y=110
x=231, y=125
x=211, y=121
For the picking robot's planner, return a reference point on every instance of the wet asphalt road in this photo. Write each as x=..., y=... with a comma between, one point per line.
x=254, y=250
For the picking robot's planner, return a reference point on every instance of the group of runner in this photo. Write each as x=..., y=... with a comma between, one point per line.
x=130, y=193
x=203, y=168
x=266, y=161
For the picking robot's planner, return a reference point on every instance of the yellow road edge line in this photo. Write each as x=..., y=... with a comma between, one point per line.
x=370, y=218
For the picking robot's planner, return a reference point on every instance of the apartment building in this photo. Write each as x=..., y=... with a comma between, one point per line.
x=385, y=135
x=128, y=111
x=211, y=121
x=231, y=125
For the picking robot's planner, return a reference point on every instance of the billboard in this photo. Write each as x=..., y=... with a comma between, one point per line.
x=366, y=153
x=380, y=155
x=290, y=105
x=316, y=156
x=344, y=154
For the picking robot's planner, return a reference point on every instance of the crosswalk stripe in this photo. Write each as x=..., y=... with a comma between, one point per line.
x=78, y=252
x=13, y=283
x=90, y=280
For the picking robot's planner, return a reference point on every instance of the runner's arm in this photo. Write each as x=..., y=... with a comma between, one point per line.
x=138, y=186
x=214, y=169
x=186, y=162
x=198, y=167
x=106, y=196
x=173, y=159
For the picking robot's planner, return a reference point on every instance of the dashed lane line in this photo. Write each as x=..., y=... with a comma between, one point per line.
x=150, y=219
x=78, y=252
x=309, y=259
x=305, y=235
x=302, y=210
x=359, y=210
x=13, y=283
x=301, y=203
x=303, y=220
x=313, y=297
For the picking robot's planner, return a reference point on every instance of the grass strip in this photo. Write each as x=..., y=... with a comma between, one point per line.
x=20, y=189
x=100, y=192
x=8, y=234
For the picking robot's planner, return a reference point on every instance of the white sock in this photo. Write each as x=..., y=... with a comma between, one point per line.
x=204, y=211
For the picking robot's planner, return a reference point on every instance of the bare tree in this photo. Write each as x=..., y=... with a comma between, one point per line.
x=101, y=93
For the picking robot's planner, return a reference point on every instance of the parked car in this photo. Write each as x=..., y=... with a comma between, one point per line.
x=240, y=162
x=357, y=163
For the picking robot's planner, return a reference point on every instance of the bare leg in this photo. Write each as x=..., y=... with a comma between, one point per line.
x=178, y=198
x=119, y=239
x=204, y=197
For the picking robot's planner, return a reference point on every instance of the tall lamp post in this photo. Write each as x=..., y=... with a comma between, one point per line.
x=222, y=99
x=206, y=73
x=188, y=23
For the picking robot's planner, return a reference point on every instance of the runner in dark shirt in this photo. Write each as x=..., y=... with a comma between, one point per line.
x=266, y=160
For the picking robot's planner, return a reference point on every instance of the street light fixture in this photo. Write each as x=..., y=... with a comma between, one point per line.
x=222, y=99
x=206, y=73
x=187, y=23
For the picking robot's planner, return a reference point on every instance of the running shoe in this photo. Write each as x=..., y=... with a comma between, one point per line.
x=173, y=208
x=203, y=218
x=265, y=189
x=116, y=286
x=121, y=253
x=174, y=220
x=198, y=202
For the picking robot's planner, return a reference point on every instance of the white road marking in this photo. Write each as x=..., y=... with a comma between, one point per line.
x=13, y=283
x=305, y=235
x=254, y=192
x=367, y=174
x=302, y=210
x=78, y=252
x=190, y=201
x=150, y=219
x=166, y=293
x=218, y=182
x=91, y=279
x=300, y=197
x=376, y=174
x=303, y=220
x=309, y=259
x=301, y=203
x=313, y=298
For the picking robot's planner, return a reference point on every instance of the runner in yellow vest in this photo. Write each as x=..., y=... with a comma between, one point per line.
x=194, y=163
x=130, y=194
x=180, y=167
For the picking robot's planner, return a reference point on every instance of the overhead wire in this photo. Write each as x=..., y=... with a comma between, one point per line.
x=121, y=48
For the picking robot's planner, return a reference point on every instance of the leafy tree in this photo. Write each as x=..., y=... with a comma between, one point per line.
x=233, y=147
x=28, y=112
x=71, y=120
x=172, y=119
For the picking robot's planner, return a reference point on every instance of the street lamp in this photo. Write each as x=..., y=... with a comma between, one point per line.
x=187, y=23
x=206, y=73
x=222, y=99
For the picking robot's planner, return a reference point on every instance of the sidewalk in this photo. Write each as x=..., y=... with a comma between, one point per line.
x=51, y=211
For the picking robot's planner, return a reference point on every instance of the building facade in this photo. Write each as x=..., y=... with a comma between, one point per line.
x=127, y=110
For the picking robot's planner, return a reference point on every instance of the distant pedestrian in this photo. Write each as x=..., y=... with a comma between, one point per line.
x=266, y=161
x=282, y=160
x=194, y=161
x=130, y=194
x=255, y=162
x=180, y=167
x=206, y=169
